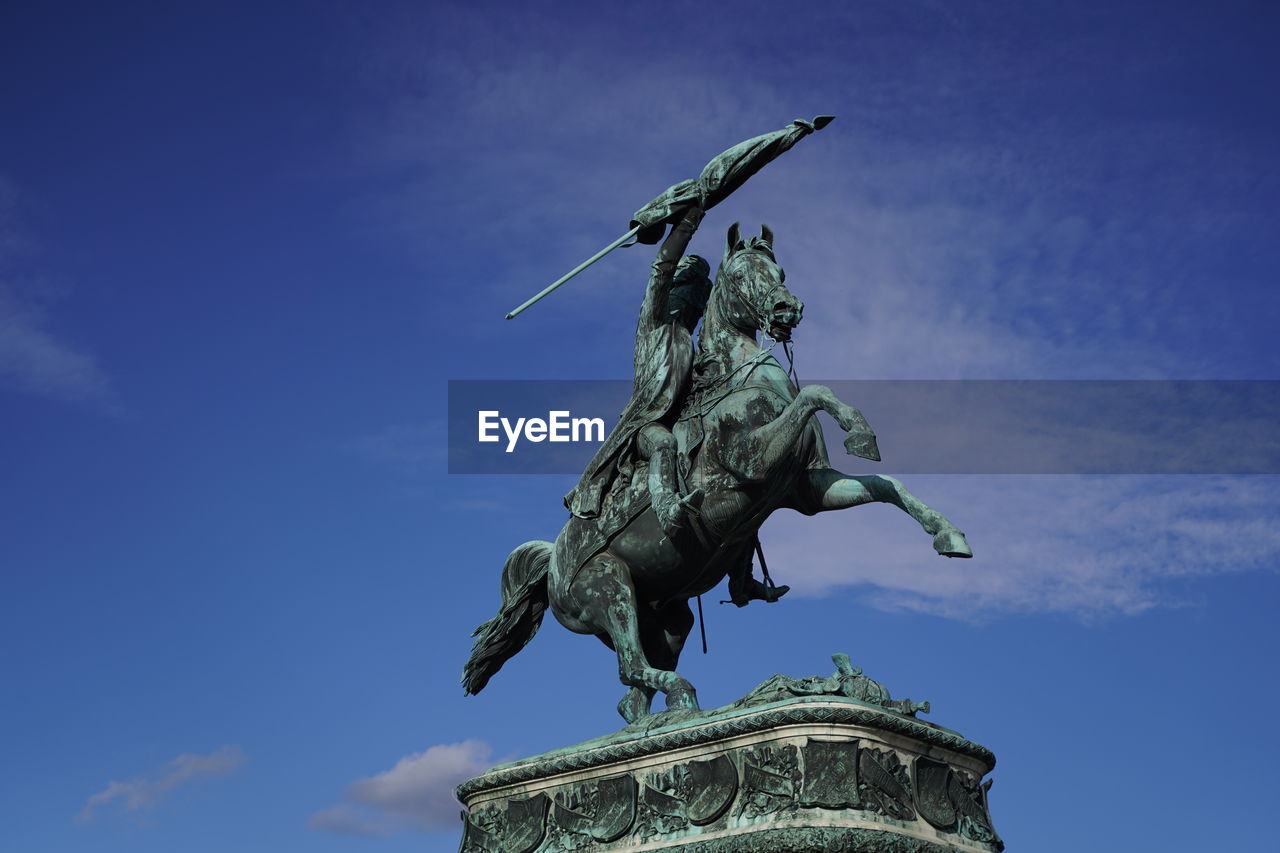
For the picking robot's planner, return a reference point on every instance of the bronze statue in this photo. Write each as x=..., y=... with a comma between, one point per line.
x=673, y=305
x=735, y=436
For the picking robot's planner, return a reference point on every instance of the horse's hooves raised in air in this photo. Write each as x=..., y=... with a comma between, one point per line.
x=862, y=444
x=950, y=542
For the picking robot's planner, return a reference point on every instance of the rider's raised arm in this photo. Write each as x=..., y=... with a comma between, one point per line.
x=653, y=313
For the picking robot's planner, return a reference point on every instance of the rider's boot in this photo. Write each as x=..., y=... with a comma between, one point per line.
x=754, y=590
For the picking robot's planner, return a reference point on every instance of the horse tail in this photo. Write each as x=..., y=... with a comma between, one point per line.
x=524, y=600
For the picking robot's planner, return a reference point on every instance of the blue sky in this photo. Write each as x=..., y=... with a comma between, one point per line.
x=244, y=246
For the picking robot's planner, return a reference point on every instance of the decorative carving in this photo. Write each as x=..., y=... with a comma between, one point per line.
x=933, y=797
x=481, y=831
x=883, y=783
x=588, y=812
x=615, y=808
x=662, y=810
x=830, y=774
x=526, y=824
x=732, y=794
x=518, y=829
x=710, y=726
x=792, y=839
x=770, y=776
x=847, y=681
x=694, y=792
x=952, y=801
x=712, y=786
x=568, y=828
x=972, y=819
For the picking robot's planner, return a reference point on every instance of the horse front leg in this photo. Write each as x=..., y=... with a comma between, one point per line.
x=764, y=448
x=831, y=489
x=859, y=440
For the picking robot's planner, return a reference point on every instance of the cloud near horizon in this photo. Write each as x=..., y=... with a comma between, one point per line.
x=415, y=794
x=146, y=791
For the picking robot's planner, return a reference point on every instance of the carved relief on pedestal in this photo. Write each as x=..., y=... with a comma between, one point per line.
x=830, y=774
x=971, y=803
x=520, y=829
x=481, y=831
x=693, y=792
x=712, y=785
x=884, y=784
x=662, y=809
x=591, y=812
x=952, y=801
x=813, y=774
x=770, y=778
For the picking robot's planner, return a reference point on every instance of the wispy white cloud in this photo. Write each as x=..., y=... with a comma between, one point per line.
x=1084, y=546
x=415, y=794
x=930, y=236
x=33, y=358
x=146, y=791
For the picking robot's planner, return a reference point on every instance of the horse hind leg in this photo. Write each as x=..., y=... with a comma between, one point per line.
x=606, y=583
x=637, y=702
x=662, y=633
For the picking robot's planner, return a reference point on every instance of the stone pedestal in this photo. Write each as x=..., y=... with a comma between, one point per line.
x=808, y=772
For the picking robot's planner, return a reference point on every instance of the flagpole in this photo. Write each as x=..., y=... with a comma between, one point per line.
x=727, y=171
x=579, y=268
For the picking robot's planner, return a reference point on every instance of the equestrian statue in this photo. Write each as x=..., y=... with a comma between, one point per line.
x=714, y=439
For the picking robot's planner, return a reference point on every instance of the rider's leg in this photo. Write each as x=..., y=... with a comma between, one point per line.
x=656, y=444
x=744, y=588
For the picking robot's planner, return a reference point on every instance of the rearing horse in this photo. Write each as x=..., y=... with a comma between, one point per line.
x=750, y=440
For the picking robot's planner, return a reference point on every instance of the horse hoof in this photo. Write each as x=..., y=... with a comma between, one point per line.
x=634, y=705
x=950, y=542
x=682, y=698
x=862, y=444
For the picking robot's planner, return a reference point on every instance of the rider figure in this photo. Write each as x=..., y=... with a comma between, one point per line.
x=673, y=303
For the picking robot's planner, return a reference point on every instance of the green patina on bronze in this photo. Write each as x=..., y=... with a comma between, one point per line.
x=716, y=437
x=846, y=697
x=795, y=762
x=813, y=838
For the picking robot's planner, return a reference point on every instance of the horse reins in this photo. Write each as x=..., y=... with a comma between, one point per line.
x=756, y=360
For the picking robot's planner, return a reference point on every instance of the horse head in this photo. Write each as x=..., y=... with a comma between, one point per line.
x=749, y=294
